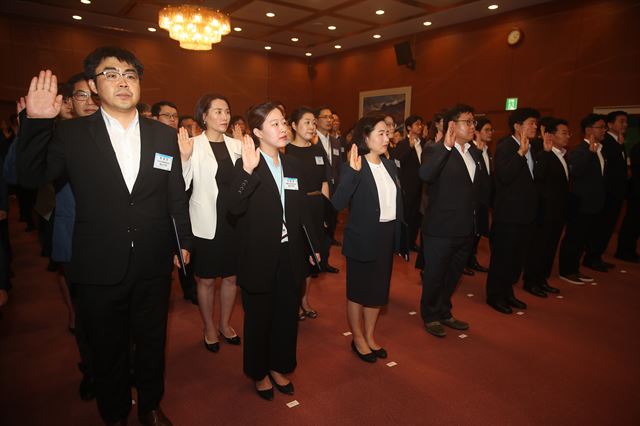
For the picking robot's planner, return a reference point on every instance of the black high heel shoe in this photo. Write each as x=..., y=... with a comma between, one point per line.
x=380, y=353
x=266, y=394
x=370, y=357
x=235, y=340
x=286, y=389
x=211, y=347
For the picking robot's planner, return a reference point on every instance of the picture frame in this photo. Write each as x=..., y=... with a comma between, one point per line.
x=395, y=101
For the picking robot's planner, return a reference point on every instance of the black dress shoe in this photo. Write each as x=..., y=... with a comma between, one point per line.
x=266, y=394
x=501, y=307
x=154, y=418
x=211, y=347
x=513, y=302
x=87, y=388
x=598, y=266
x=235, y=340
x=310, y=314
x=608, y=265
x=286, y=389
x=454, y=323
x=330, y=269
x=546, y=287
x=435, y=328
x=380, y=353
x=468, y=271
x=536, y=291
x=370, y=357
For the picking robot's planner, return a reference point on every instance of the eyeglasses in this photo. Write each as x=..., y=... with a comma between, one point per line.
x=469, y=123
x=82, y=95
x=326, y=117
x=598, y=127
x=115, y=75
x=169, y=116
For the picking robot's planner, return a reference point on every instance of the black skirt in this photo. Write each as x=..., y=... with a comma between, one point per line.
x=217, y=257
x=368, y=282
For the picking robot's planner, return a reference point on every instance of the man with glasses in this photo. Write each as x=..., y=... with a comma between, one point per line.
x=165, y=112
x=587, y=196
x=450, y=170
x=83, y=101
x=514, y=211
x=551, y=173
x=126, y=177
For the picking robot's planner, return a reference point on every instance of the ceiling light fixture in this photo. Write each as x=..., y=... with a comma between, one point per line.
x=308, y=54
x=194, y=27
x=337, y=46
x=270, y=14
x=237, y=29
x=380, y=12
x=493, y=7
x=331, y=27
x=85, y=1
x=151, y=29
x=294, y=39
x=77, y=17
x=426, y=23
x=267, y=48
x=377, y=36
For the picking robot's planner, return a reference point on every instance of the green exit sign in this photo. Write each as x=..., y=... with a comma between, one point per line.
x=511, y=104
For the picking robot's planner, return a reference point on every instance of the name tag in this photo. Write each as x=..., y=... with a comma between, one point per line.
x=162, y=162
x=291, y=184
x=319, y=160
x=342, y=149
x=397, y=163
x=336, y=151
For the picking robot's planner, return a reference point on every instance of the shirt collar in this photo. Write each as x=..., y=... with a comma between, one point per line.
x=323, y=138
x=270, y=160
x=466, y=148
x=485, y=149
x=559, y=151
x=589, y=143
x=111, y=122
x=613, y=135
x=515, y=139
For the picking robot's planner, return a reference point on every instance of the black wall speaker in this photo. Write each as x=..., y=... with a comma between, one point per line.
x=404, y=55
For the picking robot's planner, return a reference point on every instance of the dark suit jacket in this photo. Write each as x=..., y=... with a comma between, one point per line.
x=255, y=199
x=358, y=191
x=615, y=168
x=337, y=155
x=587, y=182
x=408, y=173
x=4, y=191
x=452, y=195
x=108, y=218
x=485, y=192
x=553, y=187
x=516, y=199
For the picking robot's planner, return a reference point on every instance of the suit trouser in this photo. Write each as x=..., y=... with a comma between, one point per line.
x=413, y=215
x=271, y=323
x=5, y=255
x=135, y=310
x=80, y=332
x=542, y=252
x=445, y=258
x=604, y=228
x=509, y=244
x=576, y=237
x=629, y=230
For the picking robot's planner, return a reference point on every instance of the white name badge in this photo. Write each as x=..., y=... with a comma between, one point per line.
x=336, y=151
x=162, y=162
x=397, y=163
x=319, y=160
x=291, y=183
x=342, y=149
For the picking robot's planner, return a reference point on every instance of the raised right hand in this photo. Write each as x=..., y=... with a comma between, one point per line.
x=237, y=132
x=524, y=144
x=593, y=144
x=185, y=143
x=355, y=161
x=450, y=136
x=43, y=100
x=547, y=142
x=250, y=154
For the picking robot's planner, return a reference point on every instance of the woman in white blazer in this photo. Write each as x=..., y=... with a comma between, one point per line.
x=207, y=167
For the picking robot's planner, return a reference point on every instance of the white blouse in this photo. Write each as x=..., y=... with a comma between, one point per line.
x=386, y=191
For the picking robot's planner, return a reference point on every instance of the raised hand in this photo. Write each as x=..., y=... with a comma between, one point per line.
x=250, y=154
x=593, y=144
x=450, y=136
x=185, y=143
x=21, y=104
x=237, y=132
x=43, y=100
x=524, y=144
x=547, y=141
x=355, y=161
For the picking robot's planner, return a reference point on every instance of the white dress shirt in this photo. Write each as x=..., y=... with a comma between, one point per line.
x=386, y=191
x=326, y=144
x=418, y=147
x=600, y=157
x=126, y=144
x=485, y=157
x=560, y=154
x=468, y=159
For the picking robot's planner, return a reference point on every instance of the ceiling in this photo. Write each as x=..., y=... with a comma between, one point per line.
x=355, y=21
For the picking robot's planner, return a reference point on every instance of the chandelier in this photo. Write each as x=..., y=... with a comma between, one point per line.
x=195, y=27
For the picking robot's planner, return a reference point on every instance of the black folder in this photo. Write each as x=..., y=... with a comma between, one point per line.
x=316, y=261
x=175, y=233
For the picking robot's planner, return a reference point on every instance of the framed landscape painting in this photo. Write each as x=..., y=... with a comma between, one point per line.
x=395, y=102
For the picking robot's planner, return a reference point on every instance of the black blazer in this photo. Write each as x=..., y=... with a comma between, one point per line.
x=337, y=155
x=452, y=195
x=109, y=220
x=615, y=168
x=409, y=168
x=485, y=192
x=587, y=182
x=358, y=191
x=255, y=199
x=553, y=187
x=516, y=198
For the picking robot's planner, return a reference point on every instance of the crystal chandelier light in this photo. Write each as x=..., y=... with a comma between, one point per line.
x=195, y=27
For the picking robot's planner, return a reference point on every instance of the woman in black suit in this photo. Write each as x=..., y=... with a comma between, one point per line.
x=373, y=231
x=270, y=199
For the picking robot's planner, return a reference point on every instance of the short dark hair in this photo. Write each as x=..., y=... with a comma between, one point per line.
x=297, y=115
x=235, y=119
x=613, y=115
x=363, y=129
x=258, y=114
x=552, y=126
x=544, y=121
x=482, y=121
x=411, y=120
x=142, y=107
x=185, y=117
x=590, y=120
x=520, y=115
x=64, y=89
x=203, y=105
x=155, y=108
x=453, y=113
x=320, y=109
x=94, y=58
x=74, y=79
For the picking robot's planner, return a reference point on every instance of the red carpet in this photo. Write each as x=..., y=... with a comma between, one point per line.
x=568, y=361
